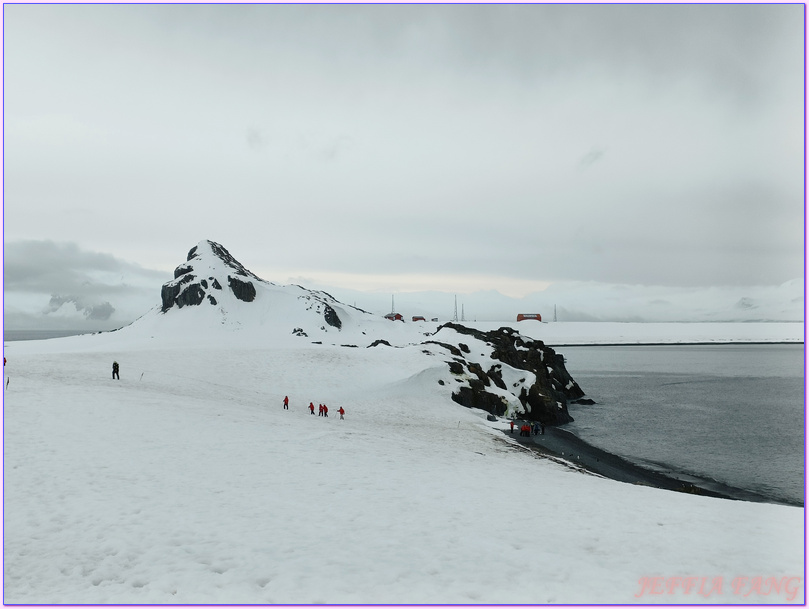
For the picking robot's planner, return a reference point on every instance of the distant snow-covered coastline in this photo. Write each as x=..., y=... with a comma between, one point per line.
x=560, y=334
x=585, y=333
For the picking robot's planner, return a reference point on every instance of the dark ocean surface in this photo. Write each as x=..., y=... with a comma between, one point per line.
x=731, y=413
x=12, y=335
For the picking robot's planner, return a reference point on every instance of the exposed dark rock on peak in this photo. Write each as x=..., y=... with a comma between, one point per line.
x=243, y=290
x=182, y=270
x=193, y=279
x=451, y=348
x=331, y=317
x=543, y=394
x=222, y=254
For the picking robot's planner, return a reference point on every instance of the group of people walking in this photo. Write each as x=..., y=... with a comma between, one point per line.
x=322, y=411
x=527, y=428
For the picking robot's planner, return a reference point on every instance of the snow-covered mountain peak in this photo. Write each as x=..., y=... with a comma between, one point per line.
x=212, y=289
x=209, y=274
x=214, y=254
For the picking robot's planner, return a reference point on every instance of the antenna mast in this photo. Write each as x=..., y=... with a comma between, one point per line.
x=455, y=315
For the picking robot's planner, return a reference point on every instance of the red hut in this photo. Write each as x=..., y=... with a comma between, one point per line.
x=523, y=316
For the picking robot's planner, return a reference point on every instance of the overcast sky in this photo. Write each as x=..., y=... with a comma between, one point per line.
x=399, y=148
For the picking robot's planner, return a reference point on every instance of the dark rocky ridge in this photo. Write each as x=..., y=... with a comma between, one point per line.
x=545, y=400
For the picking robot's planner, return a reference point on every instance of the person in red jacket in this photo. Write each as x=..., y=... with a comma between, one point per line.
x=325, y=410
x=512, y=425
x=320, y=410
x=311, y=408
x=342, y=412
x=286, y=402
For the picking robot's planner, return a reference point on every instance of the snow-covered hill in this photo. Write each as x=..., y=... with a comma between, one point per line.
x=214, y=297
x=214, y=293
x=187, y=482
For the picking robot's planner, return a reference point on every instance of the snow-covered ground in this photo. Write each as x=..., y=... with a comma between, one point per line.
x=186, y=482
x=629, y=333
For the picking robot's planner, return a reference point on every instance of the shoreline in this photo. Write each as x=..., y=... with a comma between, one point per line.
x=683, y=344
x=570, y=448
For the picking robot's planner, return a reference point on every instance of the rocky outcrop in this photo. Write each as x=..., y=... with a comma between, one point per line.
x=331, y=317
x=243, y=290
x=538, y=388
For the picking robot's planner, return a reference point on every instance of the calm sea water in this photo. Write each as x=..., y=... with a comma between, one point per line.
x=11, y=335
x=733, y=413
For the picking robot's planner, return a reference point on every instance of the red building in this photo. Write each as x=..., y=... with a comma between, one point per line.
x=394, y=317
x=418, y=318
x=523, y=316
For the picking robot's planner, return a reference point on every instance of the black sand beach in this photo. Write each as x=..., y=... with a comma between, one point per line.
x=564, y=445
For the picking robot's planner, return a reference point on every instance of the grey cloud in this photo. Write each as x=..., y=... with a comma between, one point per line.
x=256, y=140
x=50, y=267
x=406, y=138
x=102, y=311
x=76, y=288
x=736, y=46
x=336, y=147
x=96, y=312
x=595, y=155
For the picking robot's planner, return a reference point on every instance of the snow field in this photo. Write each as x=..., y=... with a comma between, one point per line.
x=191, y=484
